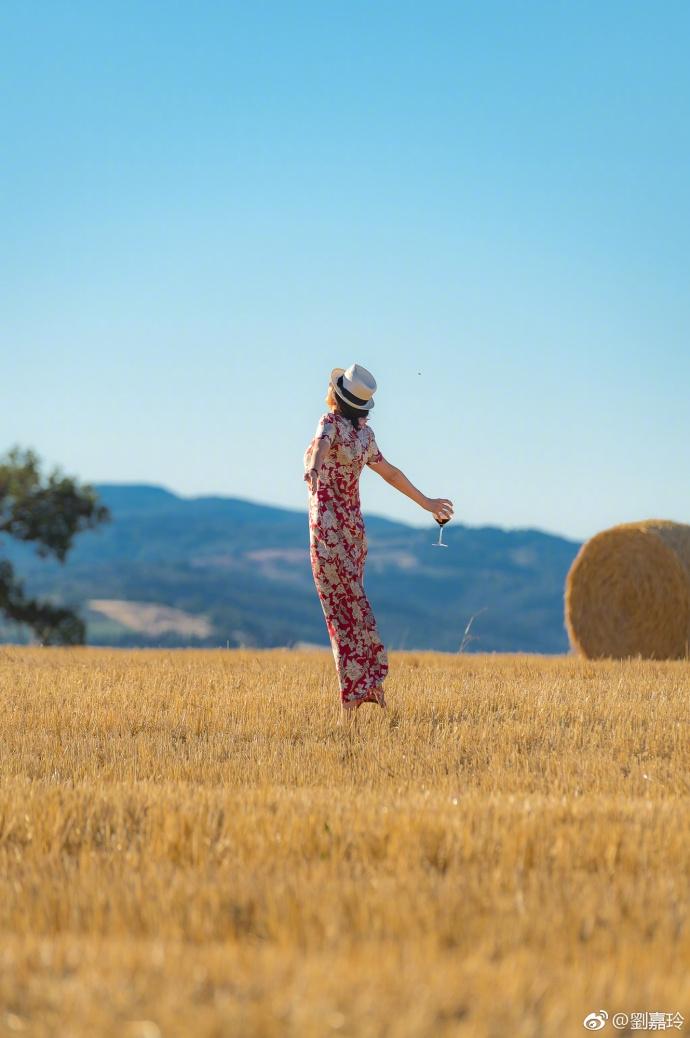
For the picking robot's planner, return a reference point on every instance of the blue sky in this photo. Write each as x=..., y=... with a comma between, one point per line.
x=207, y=206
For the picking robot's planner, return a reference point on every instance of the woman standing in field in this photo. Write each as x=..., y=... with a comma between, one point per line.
x=342, y=445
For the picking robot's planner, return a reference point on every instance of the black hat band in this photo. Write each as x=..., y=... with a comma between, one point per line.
x=357, y=401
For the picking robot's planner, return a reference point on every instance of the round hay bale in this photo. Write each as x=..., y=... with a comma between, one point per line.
x=628, y=592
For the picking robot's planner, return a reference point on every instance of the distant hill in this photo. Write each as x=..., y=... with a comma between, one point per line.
x=212, y=571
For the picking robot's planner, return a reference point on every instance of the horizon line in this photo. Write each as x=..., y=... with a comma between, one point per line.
x=371, y=515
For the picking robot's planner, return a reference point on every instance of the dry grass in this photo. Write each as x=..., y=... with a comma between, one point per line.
x=191, y=845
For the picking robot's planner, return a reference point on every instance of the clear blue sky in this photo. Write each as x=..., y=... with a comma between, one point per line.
x=207, y=206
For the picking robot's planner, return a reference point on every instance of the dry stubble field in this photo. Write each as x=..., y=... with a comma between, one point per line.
x=190, y=844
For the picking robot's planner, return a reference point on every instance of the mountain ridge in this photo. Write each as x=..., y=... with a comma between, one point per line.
x=244, y=566
x=106, y=490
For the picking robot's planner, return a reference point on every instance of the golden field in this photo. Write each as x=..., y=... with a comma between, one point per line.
x=190, y=844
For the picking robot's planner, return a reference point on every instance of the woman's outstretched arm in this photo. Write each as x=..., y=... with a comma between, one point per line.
x=440, y=506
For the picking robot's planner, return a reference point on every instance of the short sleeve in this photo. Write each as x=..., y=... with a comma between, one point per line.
x=325, y=428
x=374, y=455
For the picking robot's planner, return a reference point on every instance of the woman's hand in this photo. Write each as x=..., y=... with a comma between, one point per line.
x=311, y=478
x=440, y=506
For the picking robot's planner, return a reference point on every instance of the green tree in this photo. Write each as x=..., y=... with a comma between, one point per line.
x=50, y=511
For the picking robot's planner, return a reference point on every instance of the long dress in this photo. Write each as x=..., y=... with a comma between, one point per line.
x=337, y=550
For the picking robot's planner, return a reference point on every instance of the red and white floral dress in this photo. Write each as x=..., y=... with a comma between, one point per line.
x=338, y=549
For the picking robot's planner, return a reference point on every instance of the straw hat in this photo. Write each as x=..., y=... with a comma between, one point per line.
x=356, y=386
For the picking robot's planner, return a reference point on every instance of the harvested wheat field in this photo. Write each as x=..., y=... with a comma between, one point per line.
x=190, y=844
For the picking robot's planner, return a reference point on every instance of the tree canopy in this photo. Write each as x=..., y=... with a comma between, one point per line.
x=50, y=511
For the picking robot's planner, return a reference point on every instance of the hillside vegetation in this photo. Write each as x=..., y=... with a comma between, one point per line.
x=240, y=574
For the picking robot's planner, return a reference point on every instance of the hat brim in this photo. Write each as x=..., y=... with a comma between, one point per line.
x=335, y=374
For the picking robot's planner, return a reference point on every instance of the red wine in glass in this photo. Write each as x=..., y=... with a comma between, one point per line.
x=441, y=523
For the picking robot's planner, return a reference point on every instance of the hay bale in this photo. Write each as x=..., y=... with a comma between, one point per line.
x=628, y=592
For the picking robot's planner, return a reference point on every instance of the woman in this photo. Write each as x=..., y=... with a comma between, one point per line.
x=342, y=445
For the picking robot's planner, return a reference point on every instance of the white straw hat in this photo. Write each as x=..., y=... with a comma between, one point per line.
x=356, y=386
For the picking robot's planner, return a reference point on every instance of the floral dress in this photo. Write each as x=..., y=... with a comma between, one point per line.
x=338, y=549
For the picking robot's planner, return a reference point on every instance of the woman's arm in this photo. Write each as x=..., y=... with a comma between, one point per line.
x=317, y=459
x=440, y=506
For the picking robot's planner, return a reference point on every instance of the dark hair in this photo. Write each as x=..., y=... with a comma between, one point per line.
x=347, y=411
x=341, y=407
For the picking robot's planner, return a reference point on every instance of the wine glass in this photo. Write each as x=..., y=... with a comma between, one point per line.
x=441, y=523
